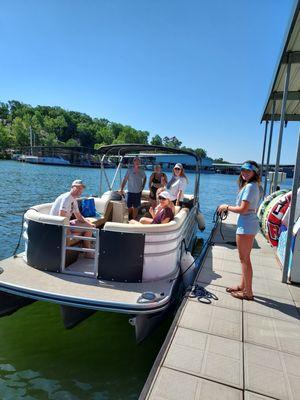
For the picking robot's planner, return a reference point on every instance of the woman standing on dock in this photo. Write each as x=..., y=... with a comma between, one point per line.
x=247, y=225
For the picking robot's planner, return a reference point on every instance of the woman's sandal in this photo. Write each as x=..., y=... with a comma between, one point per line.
x=242, y=296
x=233, y=289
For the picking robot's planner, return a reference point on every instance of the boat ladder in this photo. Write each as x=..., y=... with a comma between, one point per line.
x=94, y=239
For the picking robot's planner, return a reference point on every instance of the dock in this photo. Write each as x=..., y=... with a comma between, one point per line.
x=232, y=349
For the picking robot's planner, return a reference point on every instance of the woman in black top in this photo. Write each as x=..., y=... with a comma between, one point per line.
x=157, y=180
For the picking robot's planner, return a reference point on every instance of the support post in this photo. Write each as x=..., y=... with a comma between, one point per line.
x=117, y=170
x=269, y=146
x=296, y=183
x=264, y=149
x=101, y=172
x=282, y=115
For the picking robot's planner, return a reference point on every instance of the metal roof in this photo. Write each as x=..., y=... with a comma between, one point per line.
x=290, y=54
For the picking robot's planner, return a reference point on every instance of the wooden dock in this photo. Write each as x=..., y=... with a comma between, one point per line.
x=232, y=349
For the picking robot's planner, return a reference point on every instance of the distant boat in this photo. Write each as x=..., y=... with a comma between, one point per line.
x=56, y=160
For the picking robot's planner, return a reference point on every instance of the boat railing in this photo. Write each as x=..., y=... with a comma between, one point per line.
x=92, y=250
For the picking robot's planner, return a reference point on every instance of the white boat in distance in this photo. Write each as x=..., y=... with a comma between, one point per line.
x=54, y=160
x=136, y=269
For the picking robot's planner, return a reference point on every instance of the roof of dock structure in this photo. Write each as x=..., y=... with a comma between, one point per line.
x=290, y=54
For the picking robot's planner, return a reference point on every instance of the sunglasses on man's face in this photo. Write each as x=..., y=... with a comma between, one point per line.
x=161, y=198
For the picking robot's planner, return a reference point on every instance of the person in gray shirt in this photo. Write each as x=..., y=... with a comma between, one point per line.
x=136, y=180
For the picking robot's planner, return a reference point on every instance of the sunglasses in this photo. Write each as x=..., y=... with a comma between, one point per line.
x=161, y=198
x=177, y=169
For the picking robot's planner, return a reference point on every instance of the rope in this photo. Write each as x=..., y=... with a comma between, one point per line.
x=220, y=217
x=202, y=295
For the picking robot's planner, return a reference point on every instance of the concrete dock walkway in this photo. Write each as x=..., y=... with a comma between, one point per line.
x=233, y=349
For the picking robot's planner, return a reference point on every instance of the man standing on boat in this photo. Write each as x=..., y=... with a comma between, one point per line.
x=136, y=178
x=66, y=205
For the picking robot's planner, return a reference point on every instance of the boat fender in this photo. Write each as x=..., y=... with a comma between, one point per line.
x=200, y=221
x=187, y=268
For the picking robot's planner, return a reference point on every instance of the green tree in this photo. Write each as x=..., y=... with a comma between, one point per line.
x=4, y=111
x=104, y=135
x=72, y=143
x=130, y=135
x=220, y=161
x=156, y=141
x=201, y=152
x=6, y=141
x=172, y=142
x=50, y=139
x=20, y=132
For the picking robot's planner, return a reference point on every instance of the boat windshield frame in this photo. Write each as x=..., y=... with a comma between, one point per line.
x=141, y=150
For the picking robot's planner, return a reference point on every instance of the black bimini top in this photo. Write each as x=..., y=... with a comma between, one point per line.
x=124, y=149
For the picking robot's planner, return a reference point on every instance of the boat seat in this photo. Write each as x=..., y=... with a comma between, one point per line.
x=98, y=222
x=152, y=228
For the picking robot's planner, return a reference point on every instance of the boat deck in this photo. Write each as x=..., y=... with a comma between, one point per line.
x=232, y=349
x=82, y=291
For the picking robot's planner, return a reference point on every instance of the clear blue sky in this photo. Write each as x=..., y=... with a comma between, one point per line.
x=199, y=70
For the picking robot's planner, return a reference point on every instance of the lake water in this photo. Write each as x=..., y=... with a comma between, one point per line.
x=99, y=359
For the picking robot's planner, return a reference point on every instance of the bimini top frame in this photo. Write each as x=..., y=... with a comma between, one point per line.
x=283, y=104
x=121, y=150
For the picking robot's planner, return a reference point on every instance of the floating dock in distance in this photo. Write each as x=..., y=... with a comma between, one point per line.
x=232, y=349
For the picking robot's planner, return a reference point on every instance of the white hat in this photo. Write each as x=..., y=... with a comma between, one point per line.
x=165, y=194
x=78, y=182
x=178, y=165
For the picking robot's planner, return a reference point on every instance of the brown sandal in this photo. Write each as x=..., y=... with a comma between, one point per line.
x=242, y=296
x=233, y=289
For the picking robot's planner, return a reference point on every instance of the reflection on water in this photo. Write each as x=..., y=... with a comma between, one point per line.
x=98, y=359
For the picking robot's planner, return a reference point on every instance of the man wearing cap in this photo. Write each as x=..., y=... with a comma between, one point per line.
x=136, y=179
x=66, y=205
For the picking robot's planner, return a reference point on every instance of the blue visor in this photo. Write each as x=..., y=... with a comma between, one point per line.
x=249, y=167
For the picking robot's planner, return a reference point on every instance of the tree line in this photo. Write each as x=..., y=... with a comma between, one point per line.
x=55, y=126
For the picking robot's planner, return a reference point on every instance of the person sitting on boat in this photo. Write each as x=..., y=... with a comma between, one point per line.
x=136, y=179
x=157, y=180
x=177, y=184
x=66, y=205
x=162, y=214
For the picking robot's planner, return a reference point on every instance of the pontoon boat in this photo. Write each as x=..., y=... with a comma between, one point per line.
x=136, y=269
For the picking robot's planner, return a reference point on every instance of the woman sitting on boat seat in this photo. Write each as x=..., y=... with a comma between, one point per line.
x=157, y=180
x=177, y=184
x=66, y=205
x=162, y=214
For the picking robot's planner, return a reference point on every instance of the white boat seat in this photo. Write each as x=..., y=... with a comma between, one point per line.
x=140, y=228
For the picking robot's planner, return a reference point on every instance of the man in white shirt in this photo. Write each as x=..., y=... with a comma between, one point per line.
x=66, y=205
